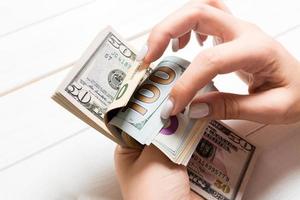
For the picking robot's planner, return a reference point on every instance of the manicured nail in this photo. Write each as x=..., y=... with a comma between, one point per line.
x=199, y=110
x=217, y=40
x=175, y=44
x=167, y=109
x=142, y=53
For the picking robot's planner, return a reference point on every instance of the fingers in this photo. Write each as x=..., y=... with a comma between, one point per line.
x=224, y=58
x=267, y=107
x=153, y=154
x=181, y=42
x=201, y=38
x=200, y=18
x=125, y=157
x=217, y=4
x=216, y=105
x=130, y=142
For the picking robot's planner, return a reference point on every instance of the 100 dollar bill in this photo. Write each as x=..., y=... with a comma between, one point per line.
x=141, y=117
x=181, y=134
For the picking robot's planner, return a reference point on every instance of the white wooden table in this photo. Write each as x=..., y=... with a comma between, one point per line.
x=47, y=153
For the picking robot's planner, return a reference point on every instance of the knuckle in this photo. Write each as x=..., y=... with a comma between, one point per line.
x=267, y=49
x=158, y=37
x=198, y=9
x=181, y=88
x=248, y=28
x=182, y=92
x=214, y=3
x=158, y=28
x=265, y=45
x=156, y=34
x=231, y=107
x=287, y=111
x=211, y=59
x=279, y=110
x=267, y=53
x=202, y=8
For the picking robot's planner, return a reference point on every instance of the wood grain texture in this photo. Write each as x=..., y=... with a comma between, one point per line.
x=47, y=153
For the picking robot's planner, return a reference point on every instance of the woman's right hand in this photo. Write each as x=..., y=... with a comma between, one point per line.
x=272, y=73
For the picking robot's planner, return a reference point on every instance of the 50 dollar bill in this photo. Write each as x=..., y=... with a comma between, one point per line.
x=92, y=85
x=220, y=166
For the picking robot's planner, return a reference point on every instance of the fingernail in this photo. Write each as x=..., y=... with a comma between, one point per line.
x=198, y=110
x=175, y=44
x=142, y=53
x=167, y=109
x=217, y=40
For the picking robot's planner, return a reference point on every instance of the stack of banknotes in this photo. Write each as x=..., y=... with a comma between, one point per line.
x=122, y=99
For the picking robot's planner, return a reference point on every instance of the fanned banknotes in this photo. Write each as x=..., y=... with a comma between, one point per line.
x=123, y=98
x=221, y=164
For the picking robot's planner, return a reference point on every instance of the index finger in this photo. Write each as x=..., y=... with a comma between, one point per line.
x=201, y=18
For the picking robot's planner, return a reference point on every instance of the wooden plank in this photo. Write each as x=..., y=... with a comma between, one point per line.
x=276, y=175
x=78, y=168
x=45, y=47
x=16, y=15
x=274, y=17
x=32, y=121
x=273, y=134
x=290, y=40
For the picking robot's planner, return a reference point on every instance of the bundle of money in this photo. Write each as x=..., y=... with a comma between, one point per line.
x=123, y=98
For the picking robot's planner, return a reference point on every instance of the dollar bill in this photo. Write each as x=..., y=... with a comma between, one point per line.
x=220, y=166
x=122, y=99
x=141, y=117
x=180, y=135
x=95, y=81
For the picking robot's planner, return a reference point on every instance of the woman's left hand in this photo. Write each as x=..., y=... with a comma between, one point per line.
x=149, y=174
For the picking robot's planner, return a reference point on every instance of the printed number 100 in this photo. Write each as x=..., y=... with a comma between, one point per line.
x=155, y=77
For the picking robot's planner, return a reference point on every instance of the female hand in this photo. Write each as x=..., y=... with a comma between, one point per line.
x=273, y=75
x=149, y=174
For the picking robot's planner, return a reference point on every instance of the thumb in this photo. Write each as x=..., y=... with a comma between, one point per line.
x=266, y=107
x=125, y=157
x=215, y=105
